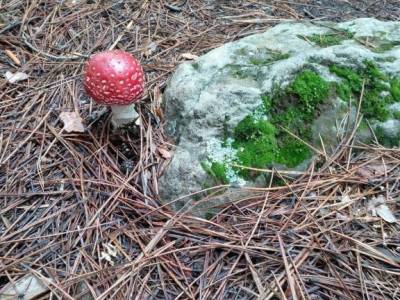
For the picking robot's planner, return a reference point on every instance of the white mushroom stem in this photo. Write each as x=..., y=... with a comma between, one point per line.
x=123, y=114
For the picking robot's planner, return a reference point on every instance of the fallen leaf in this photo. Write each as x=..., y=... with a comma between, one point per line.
x=385, y=213
x=364, y=172
x=373, y=170
x=71, y=3
x=111, y=250
x=156, y=103
x=345, y=198
x=380, y=169
x=72, y=122
x=29, y=287
x=151, y=48
x=109, y=253
x=107, y=257
x=164, y=153
x=157, y=95
x=15, y=77
x=378, y=207
x=189, y=56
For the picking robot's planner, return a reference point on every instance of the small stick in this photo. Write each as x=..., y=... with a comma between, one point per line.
x=13, y=57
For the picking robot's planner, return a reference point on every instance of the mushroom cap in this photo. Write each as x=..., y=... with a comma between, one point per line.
x=114, y=78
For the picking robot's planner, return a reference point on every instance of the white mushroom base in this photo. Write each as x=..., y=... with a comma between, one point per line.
x=123, y=114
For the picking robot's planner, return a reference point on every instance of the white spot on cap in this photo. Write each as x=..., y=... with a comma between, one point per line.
x=121, y=82
x=103, y=81
x=134, y=76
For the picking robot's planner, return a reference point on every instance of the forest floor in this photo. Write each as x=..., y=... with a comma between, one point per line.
x=80, y=216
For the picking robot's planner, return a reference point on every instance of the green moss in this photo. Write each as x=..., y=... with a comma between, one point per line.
x=386, y=59
x=395, y=89
x=343, y=91
x=277, y=181
x=209, y=215
x=374, y=107
x=267, y=58
x=292, y=151
x=250, y=128
x=239, y=71
x=196, y=66
x=374, y=104
x=378, y=44
x=386, y=140
x=310, y=88
x=352, y=80
x=262, y=138
x=396, y=115
x=255, y=143
x=329, y=39
x=216, y=170
x=261, y=142
x=259, y=57
x=266, y=100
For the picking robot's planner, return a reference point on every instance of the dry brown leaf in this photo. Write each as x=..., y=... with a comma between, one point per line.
x=72, y=122
x=189, y=56
x=164, y=153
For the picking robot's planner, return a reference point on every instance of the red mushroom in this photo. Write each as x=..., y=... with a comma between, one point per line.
x=115, y=78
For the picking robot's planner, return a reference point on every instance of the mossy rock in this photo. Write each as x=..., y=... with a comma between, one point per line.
x=272, y=99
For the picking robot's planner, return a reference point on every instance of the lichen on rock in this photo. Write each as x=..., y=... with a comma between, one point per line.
x=264, y=100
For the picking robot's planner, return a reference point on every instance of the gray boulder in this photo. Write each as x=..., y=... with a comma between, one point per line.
x=257, y=102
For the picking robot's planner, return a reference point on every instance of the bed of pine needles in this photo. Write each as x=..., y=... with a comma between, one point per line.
x=80, y=211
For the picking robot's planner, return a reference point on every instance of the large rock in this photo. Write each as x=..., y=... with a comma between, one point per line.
x=237, y=104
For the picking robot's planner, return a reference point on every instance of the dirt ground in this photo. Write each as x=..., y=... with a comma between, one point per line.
x=79, y=212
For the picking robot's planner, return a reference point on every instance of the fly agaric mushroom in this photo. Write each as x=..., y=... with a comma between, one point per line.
x=115, y=78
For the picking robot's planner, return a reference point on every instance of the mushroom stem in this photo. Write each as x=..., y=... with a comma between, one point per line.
x=123, y=114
